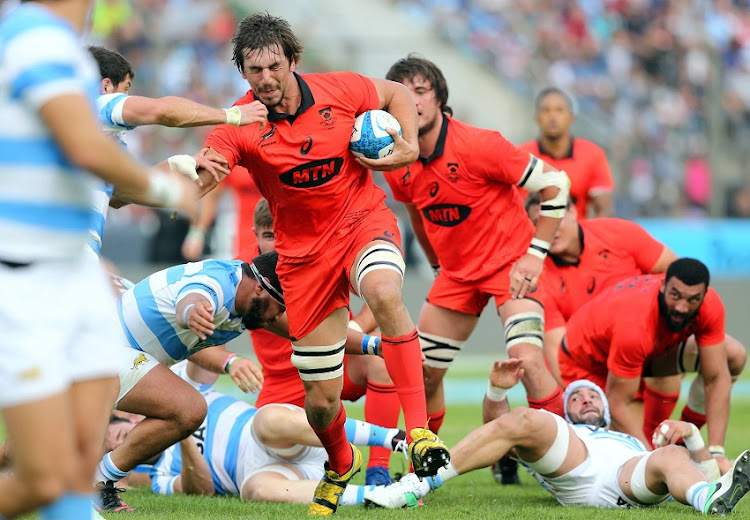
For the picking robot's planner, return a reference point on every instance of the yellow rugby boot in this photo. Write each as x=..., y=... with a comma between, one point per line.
x=331, y=487
x=427, y=452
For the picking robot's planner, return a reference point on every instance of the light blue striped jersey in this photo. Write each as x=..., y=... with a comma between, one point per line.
x=45, y=201
x=147, y=311
x=109, y=112
x=618, y=441
x=221, y=439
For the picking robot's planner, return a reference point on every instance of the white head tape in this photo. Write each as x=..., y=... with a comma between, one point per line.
x=585, y=383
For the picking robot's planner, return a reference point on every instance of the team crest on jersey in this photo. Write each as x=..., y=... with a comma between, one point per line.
x=326, y=116
x=446, y=215
x=453, y=175
x=312, y=174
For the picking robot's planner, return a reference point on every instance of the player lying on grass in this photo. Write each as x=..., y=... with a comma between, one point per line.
x=583, y=463
x=266, y=454
x=167, y=317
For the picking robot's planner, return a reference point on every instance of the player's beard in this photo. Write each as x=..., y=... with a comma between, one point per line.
x=667, y=314
x=591, y=420
x=430, y=125
x=255, y=315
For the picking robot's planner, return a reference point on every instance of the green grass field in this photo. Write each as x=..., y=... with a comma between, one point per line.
x=474, y=495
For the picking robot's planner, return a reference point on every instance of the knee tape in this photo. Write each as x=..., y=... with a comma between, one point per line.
x=638, y=484
x=439, y=352
x=379, y=256
x=525, y=327
x=555, y=456
x=319, y=363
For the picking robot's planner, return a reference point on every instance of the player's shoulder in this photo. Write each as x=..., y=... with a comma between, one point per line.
x=30, y=17
x=609, y=227
x=586, y=147
x=530, y=146
x=249, y=97
x=336, y=81
x=712, y=299
x=104, y=100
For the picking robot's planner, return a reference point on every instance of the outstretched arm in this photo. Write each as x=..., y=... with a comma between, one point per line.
x=621, y=394
x=180, y=112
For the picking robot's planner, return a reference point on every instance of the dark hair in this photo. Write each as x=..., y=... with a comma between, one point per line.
x=260, y=31
x=262, y=217
x=112, y=65
x=263, y=270
x=555, y=90
x=116, y=419
x=416, y=65
x=689, y=271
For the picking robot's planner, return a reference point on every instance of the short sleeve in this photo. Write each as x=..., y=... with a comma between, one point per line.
x=498, y=159
x=398, y=181
x=361, y=92
x=45, y=61
x=109, y=110
x=644, y=248
x=711, y=320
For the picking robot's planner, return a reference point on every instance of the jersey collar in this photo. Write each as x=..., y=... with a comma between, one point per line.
x=440, y=144
x=568, y=155
x=562, y=262
x=307, y=102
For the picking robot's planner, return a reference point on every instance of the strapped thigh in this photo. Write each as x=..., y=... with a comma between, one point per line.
x=525, y=327
x=319, y=363
x=439, y=352
x=382, y=255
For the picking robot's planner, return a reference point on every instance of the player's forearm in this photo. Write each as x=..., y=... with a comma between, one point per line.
x=717, y=408
x=211, y=359
x=179, y=112
x=602, y=203
x=417, y=225
x=624, y=421
x=195, y=474
x=401, y=106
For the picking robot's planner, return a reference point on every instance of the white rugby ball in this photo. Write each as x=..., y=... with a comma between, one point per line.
x=369, y=138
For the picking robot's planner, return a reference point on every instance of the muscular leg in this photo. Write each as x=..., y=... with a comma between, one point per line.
x=668, y=470
x=282, y=428
x=443, y=323
x=542, y=390
x=381, y=289
x=173, y=410
x=44, y=462
x=271, y=486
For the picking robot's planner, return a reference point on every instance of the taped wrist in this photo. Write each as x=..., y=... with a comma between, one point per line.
x=539, y=248
x=234, y=116
x=164, y=190
x=694, y=441
x=184, y=165
x=370, y=345
x=496, y=393
x=535, y=179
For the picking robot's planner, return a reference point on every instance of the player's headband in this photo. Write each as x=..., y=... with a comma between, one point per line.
x=263, y=268
x=585, y=383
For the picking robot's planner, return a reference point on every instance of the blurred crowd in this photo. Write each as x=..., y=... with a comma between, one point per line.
x=667, y=81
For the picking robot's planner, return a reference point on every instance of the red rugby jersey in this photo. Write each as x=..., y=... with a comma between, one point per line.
x=612, y=250
x=622, y=329
x=473, y=214
x=302, y=165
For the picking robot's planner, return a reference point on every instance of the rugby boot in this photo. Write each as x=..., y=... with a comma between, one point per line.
x=427, y=452
x=730, y=488
x=331, y=487
x=109, y=499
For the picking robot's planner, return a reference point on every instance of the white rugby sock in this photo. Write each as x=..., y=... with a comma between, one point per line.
x=106, y=470
x=354, y=495
x=697, y=494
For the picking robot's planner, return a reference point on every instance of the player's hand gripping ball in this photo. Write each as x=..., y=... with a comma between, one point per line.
x=369, y=138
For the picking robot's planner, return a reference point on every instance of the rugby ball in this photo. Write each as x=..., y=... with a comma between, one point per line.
x=369, y=138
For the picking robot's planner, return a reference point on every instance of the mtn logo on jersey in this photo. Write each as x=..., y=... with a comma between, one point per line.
x=312, y=174
x=447, y=215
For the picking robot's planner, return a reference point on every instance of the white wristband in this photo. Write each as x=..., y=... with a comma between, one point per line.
x=694, y=441
x=164, y=190
x=185, y=313
x=195, y=233
x=715, y=449
x=495, y=393
x=354, y=325
x=234, y=116
x=539, y=248
x=184, y=165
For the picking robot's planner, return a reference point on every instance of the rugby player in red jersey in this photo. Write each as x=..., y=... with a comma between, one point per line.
x=612, y=339
x=333, y=230
x=591, y=183
x=467, y=214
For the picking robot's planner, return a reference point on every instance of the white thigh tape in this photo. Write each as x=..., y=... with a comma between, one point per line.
x=525, y=327
x=439, y=352
x=555, y=456
x=379, y=256
x=638, y=484
x=319, y=363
